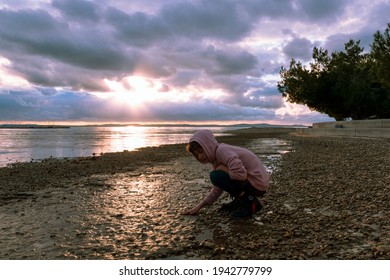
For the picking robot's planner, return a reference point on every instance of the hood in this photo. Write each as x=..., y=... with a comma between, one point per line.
x=207, y=140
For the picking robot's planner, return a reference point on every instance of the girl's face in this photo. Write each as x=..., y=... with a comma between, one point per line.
x=200, y=155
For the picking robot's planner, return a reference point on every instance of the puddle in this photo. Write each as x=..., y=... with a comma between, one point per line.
x=270, y=151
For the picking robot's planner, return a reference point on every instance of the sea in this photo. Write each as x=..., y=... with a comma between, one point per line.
x=37, y=144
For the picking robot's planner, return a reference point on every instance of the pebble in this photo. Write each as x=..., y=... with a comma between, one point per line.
x=323, y=203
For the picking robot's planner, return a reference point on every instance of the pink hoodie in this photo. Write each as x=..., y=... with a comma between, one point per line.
x=242, y=163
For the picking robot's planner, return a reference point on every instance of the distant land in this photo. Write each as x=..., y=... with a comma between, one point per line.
x=240, y=125
x=258, y=125
x=32, y=126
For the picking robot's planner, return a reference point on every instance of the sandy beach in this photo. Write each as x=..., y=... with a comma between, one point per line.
x=328, y=199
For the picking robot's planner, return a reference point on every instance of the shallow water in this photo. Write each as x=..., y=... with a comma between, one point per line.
x=132, y=215
x=270, y=150
x=25, y=145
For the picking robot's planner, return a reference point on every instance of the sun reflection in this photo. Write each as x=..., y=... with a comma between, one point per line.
x=126, y=138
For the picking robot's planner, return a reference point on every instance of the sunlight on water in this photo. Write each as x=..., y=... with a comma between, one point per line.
x=24, y=145
x=127, y=138
x=270, y=150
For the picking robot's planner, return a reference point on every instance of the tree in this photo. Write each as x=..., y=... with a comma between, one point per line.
x=346, y=84
x=381, y=56
x=380, y=53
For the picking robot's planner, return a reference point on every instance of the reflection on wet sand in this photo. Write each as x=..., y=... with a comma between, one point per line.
x=146, y=207
x=128, y=215
x=127, y=205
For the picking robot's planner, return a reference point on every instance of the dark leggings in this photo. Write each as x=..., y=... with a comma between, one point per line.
x=222, y=180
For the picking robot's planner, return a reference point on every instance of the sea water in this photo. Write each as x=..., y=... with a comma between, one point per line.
x=24, y=145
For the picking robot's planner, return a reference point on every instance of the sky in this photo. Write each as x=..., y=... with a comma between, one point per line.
x=167, y=61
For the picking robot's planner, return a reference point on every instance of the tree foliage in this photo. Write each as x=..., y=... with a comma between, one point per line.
x=345, y=84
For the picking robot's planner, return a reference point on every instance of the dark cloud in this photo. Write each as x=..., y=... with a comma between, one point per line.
x=28, y=23
x=299, y=49
x=231, y=63
x=319, y=11
x=207, y=110
x=315, y=12
x=219, y=20
x=204, y=19
x=137, y=29
x=78, y=9
x=37, y=33
x=234, y=47
x=215, y=61
x=269, y=9
x=45, y=72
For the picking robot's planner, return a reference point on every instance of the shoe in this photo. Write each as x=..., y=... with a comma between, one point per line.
x=250, y=206
x=231, y=206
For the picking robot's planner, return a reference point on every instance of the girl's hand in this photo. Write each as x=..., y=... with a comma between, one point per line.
x=195, y=210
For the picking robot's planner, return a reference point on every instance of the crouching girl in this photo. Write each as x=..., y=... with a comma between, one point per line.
x=236, y=170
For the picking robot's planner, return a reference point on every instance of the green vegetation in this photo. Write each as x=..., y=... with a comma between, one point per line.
x=346, y=84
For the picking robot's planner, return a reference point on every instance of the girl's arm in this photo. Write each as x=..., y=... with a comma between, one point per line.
x=196, y=209
x=213, y=195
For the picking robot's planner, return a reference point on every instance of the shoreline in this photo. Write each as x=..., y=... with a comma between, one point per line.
x=32, y=126
x=27, y=177
x=85, y=150
x=328, y=199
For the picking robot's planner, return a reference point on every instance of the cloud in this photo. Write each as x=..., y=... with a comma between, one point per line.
x=66, y=105
x=137, y=29
x=231, y=63
x=78, y=9
x=322, y=11
x=308, y=11
x=38, y=34
x=299, y=49
x=207, y=20
x=206, y=110
x=223, y=55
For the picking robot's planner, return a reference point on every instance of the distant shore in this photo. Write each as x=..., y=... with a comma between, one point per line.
x=233, y=127
x=328, y=199
x=31, y=126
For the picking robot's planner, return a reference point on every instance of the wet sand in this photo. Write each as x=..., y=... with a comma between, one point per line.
x=328, y=200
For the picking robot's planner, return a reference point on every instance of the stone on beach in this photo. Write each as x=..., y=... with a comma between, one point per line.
x=328, y=199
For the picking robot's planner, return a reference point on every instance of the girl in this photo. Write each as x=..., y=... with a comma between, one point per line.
x=236, y=170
